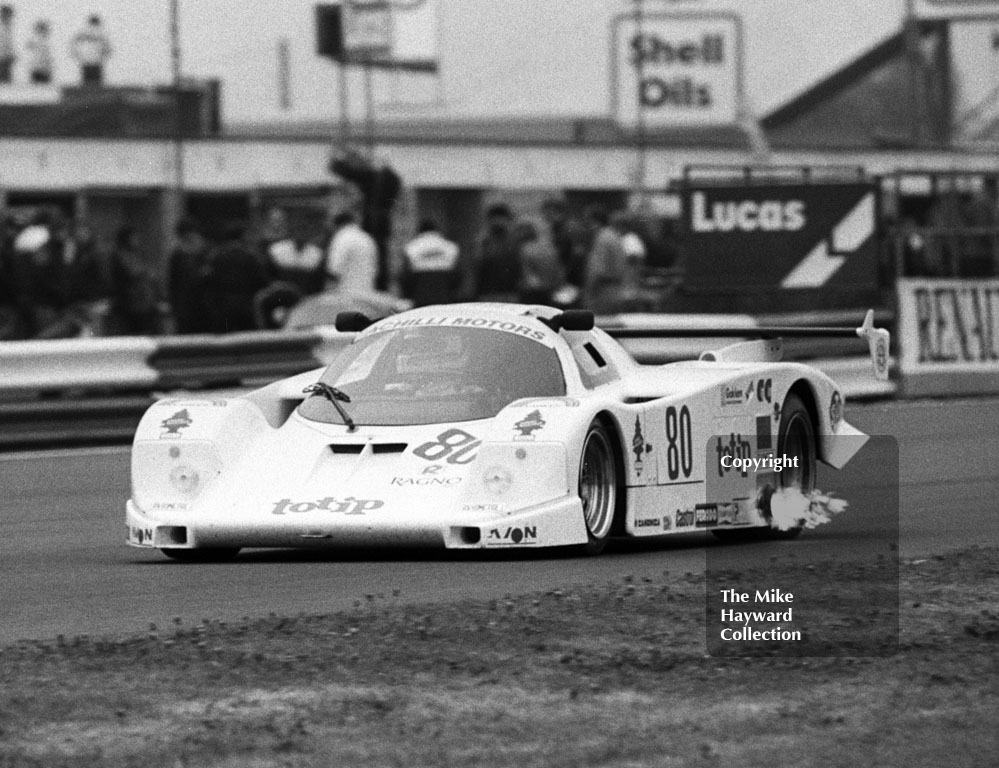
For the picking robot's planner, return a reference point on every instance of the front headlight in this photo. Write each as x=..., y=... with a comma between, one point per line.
x=172, y=475
x=185, y=479
x=497, y=480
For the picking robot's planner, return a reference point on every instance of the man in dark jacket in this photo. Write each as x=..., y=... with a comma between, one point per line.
x=497, y=263
x=236, y=273
x=186, y=275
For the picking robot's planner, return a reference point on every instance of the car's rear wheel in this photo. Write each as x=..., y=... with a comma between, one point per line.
x=598, y=487
x=201, y=554
x=795, y=438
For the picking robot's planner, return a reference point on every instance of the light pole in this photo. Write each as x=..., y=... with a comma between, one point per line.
x=641, y=138
x=178, y=122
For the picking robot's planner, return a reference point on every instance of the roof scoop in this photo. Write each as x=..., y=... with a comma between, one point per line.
x=571, y=320
x=352, y=322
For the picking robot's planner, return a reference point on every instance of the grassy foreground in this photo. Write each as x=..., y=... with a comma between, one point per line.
x=610, y=675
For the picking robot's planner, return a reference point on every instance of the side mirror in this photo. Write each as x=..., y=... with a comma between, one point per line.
x=352, y=322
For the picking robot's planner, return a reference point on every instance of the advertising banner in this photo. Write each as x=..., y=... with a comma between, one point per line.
x=949, y=336
x=955, y=9
x=673, y=69
x=367, y=29
x=769, y=237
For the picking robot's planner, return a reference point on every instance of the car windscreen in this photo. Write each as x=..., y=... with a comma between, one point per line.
x=436, y=375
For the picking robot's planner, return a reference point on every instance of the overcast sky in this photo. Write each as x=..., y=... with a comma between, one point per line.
x=516, y=57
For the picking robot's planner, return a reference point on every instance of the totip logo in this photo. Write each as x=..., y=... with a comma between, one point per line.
x=347, y=506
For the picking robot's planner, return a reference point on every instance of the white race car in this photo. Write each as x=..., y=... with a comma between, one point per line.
x=490, y=426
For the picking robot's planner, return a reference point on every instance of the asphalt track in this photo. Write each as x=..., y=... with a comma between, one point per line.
x=64, y=567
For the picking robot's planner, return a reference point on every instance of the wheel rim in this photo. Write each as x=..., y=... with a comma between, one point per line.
x=597, y=485
x=798, y=442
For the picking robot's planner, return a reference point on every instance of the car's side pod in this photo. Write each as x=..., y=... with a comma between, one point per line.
x=571, y=320
x=352, y=322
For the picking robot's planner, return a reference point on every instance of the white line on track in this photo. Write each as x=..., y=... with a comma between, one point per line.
x=62, y=453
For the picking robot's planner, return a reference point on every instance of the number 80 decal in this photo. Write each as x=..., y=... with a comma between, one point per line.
x=453, y=446
x=679, y=443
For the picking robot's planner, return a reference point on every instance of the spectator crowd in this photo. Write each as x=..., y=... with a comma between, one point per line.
x=89, y=48
x=56, y=281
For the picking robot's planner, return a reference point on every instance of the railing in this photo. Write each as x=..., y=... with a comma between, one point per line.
x=944, y=251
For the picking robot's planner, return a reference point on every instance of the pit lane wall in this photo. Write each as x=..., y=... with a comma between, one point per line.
x=949, y=336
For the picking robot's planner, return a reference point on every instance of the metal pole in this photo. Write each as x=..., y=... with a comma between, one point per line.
x=344, y=105
x=914, y=71
x=178, y=126
x=642, y=169
x=369, y=111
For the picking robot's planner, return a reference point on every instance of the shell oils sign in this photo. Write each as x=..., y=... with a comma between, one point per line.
x=677, y=69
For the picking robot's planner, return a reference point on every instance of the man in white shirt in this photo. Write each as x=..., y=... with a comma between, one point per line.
x=430, y=267
x=352, y=260
x=39, y=48
x=91, y=49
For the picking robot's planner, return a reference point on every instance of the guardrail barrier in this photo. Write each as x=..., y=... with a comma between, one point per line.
x=85, y=391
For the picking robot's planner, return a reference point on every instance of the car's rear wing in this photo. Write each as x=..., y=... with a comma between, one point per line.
x=878, y=339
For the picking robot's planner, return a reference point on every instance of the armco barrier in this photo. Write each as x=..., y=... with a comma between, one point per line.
x=167, y=362
x=215, y=361
x=95, y=390
x=67, y=422
x=78, y=391
x=58, y=365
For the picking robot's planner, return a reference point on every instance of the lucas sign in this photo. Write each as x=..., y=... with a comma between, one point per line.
x=677, y=69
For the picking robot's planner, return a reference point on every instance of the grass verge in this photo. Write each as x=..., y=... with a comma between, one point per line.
x=609, y=675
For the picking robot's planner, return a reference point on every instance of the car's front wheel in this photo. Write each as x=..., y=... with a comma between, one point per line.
x=201, y=554
x=598, y=487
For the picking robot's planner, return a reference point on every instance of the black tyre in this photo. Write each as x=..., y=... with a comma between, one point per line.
x=598, y=488
x=201, y=555
x=795, y=437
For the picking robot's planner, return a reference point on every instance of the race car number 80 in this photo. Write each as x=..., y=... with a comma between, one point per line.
x=679, y=443
x=453, y=446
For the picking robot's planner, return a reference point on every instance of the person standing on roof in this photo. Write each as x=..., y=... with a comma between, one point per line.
x=40, y=54
x=352, y=259
x=91, y=49
x=8, y=53
x=430, y=267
